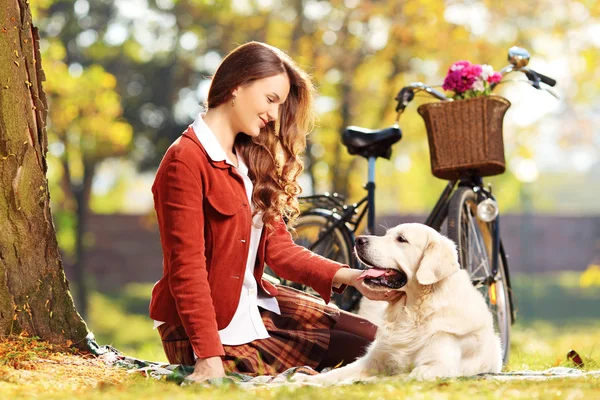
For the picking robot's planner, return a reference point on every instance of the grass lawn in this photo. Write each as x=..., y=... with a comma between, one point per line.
x=556, y=315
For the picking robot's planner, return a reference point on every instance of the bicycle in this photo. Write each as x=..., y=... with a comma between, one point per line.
x=466, y=212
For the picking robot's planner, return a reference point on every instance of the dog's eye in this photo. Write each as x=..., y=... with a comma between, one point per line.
x=401, y=239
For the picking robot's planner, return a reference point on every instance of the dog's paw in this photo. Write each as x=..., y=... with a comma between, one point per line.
x=430, y=373
x=311, y=380
x=302, y=378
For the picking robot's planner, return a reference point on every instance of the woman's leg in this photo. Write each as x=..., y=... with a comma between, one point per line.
x=349, y=339
x=176, y=344
x=356, y=325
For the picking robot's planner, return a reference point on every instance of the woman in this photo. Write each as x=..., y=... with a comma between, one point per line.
x=221, y=193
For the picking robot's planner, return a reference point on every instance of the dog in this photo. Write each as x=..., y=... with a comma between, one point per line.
x=440, y=328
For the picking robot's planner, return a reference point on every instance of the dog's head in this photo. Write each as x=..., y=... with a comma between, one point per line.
x=404, y=254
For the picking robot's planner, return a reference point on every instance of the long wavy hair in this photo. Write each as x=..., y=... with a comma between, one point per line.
x=274, y=157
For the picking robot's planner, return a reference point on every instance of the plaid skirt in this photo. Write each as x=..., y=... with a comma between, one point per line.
x=299, y=336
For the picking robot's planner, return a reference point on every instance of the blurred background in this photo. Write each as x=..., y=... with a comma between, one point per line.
x=126, y=77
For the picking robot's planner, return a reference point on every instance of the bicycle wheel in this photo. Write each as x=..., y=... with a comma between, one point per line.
x=473, y=239
x=337, y=246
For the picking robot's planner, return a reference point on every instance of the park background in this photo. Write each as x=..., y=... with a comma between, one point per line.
x=126, y=77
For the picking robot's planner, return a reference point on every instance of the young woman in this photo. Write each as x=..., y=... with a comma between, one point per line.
x=221, y=194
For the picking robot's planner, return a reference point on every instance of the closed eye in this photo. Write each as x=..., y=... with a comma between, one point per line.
x=269, y=100
x=401, y=239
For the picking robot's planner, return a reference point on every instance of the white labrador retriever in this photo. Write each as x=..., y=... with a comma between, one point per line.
x=442, y=327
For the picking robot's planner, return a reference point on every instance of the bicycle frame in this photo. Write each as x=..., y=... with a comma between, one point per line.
x=350, y=210
x=434, y=220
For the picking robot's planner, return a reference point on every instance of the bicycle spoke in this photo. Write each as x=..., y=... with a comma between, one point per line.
x=483, y=252
x=331, y=251
x=467, y=242
x=480, y=246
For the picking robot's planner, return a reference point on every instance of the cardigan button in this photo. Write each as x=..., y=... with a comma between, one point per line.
x=243, y=240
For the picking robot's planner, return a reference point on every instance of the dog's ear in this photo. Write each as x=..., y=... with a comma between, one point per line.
x=439, y=261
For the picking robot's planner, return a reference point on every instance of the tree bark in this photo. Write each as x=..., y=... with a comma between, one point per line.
x=34, y=293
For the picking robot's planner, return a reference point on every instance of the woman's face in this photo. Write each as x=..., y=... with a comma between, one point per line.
x=257, y=103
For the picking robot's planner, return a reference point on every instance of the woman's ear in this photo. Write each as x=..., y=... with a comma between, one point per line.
x=439, y=261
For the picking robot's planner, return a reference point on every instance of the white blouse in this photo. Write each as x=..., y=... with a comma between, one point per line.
x=246, y=324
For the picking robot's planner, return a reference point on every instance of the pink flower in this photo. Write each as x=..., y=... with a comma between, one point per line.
x=472, y=71
x=495, y=77
x=457, y=66
x=458, y=82
x=478, y=85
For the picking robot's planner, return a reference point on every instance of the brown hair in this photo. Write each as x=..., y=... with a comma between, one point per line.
x=274, y=157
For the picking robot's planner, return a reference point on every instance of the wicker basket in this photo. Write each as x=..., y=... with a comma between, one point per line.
x=465, y=136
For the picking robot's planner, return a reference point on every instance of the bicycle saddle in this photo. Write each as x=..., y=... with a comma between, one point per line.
x=371, y=143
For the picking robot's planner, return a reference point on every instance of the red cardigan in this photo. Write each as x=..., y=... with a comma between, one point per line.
x=204, y=221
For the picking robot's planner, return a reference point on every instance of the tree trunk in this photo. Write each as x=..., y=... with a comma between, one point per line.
x=34, y=293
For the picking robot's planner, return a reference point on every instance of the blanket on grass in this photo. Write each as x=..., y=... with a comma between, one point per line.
x=179, y=373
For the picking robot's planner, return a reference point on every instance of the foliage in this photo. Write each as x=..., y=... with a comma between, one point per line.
x=359, y=53
x=84, y=127
x=127, y=77
x=591, y=277
x=85, y=114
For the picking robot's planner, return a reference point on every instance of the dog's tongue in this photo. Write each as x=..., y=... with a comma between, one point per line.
x=372, y=273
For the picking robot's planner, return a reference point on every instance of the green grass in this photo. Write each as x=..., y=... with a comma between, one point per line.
x=560, y=299
x=585, y=388
x=542, y=345
x=555, y=316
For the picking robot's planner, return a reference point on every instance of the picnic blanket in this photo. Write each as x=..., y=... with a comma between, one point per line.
x=178, y=373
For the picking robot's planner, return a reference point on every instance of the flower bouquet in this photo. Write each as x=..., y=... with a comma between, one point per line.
x=465, y=135
x=468, y=80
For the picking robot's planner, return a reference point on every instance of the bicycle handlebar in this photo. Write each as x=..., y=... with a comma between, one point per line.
x=518, y=57
x=546, y=79
x=534, y=77
x=407, y=93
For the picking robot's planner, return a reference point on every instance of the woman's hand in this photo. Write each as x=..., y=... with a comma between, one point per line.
x=349, y=277
x=207, y=368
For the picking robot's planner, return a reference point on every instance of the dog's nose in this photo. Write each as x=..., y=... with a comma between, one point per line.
x=360, y=241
